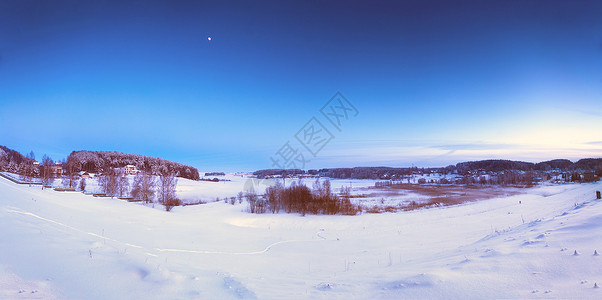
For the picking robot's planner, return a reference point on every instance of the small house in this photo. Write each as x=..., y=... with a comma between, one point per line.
x=130, y=170
x=57, y=169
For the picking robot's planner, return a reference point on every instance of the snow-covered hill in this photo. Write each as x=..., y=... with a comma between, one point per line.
x=73, y=246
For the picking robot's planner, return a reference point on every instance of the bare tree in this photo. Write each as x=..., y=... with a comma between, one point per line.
x=274, y=196
x=345, y=192
x=167, y=189
x=322, y=189
x=253, y=200
x=70, y=179
x=123, y=185
x=108, y=182
x=23, y=171
x=46, y=170
x=143, y=187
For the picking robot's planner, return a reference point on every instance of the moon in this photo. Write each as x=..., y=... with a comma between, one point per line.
x=208, y=38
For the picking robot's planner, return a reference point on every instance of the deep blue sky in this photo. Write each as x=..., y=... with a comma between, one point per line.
x=434, y=82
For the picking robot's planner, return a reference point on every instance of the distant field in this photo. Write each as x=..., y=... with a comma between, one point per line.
x=413, y=196
x=405, y=196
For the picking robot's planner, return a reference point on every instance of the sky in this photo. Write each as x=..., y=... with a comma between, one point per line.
x=311, y=84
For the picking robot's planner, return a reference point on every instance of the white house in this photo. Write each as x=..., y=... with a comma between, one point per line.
x=130, y=170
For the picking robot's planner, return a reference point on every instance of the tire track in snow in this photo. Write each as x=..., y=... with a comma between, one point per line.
x=265, y=250
x=72, y=228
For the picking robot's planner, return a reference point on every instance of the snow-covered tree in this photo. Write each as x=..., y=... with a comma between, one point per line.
x=46, y=170
x=12, y=167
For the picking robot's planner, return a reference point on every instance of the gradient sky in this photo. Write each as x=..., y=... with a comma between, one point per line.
x=434, y=82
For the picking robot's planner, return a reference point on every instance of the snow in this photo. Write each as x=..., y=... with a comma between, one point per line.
x=14, y=287
x=73, y=246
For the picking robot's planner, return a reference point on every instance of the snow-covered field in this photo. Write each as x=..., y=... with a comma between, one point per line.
x=193, y=192
x=61, y=245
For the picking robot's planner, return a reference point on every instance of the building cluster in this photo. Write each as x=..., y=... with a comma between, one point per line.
x=57, y=170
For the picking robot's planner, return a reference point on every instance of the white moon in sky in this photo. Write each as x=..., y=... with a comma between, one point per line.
x=208, y=38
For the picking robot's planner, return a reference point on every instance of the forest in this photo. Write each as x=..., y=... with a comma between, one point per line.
x=92, y=161
x=98, y=161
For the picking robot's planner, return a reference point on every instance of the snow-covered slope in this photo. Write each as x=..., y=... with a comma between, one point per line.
x=73, y=246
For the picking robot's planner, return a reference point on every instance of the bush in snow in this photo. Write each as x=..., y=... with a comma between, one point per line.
x=298, y=198
x=171, y=203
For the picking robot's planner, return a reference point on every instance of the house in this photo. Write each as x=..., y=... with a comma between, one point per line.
x=308, y=176
x=57, y=169
x=84, y=174
x=130, y=170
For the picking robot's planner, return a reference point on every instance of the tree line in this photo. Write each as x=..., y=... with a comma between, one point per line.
x=462, y=168
x=14, y=162
x=215, y=174
x=563, y=165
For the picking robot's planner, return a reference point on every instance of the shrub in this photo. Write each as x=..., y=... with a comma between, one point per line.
x=171, y=202
x=298, y=198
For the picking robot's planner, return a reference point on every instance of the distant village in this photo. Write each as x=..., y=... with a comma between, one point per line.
x=57, y=170
x=471, y=177
x=491, y=172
